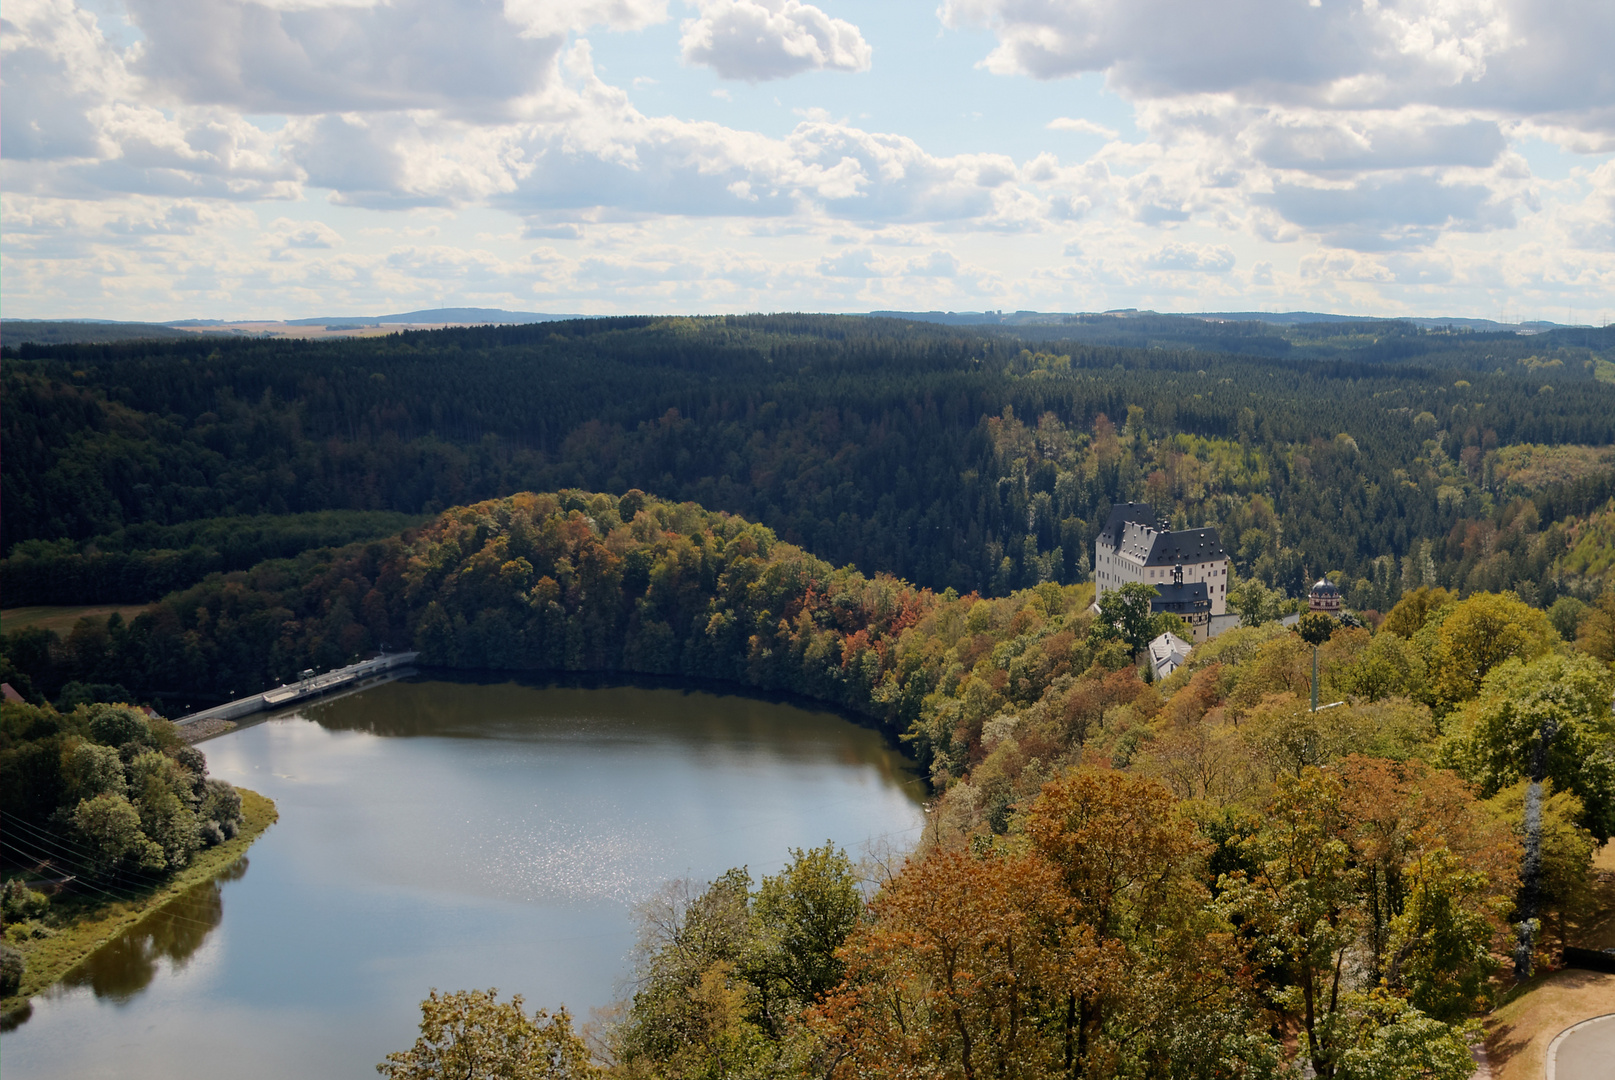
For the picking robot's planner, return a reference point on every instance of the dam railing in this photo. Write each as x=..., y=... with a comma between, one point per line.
x=310, y=686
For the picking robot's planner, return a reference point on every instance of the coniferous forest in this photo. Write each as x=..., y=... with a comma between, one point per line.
x=1124, y=876
x=950, y=456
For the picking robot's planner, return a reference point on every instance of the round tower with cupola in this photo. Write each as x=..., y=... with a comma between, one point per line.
x=1324, y=597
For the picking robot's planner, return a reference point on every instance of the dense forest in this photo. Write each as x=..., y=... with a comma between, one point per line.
x=1161, y=878
x=1123, y=877
x=964, y=457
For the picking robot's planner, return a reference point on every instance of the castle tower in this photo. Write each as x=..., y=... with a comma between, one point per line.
x=1324, y=597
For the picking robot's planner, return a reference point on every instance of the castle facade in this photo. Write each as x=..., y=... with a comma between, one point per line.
x=1188, y=568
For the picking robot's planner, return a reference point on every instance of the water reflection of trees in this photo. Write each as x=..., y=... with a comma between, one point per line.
x=125, y=966
x=502, y=705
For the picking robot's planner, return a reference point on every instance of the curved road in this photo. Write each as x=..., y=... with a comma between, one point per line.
x=1585, y=1051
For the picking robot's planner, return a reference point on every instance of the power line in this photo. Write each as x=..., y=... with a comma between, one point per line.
x=87, y=874
x=125, y=897
x=86, y=855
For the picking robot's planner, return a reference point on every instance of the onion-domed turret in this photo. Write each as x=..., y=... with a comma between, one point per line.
x=1324, y=597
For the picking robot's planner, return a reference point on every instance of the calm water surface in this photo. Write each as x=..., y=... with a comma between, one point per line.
x=453, y=835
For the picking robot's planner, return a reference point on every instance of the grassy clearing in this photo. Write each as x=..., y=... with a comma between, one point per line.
x=62, y=619
x=1518, y=1032
x=93, y=925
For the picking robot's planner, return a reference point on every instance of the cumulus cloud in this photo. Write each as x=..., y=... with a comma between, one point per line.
x=1081, y=126
x=604, y=156
x=864, y=263
x=1317, y=143
x=309, y=235
x=1377, y=214
x=465, y=57
x=941, y=264
x=1516, y=57
x=1399, y=111
x=51, y=79
x=1340, y=150
x=757, y=40
x=1195, y=258
x=74, y=122
x=1290, y=49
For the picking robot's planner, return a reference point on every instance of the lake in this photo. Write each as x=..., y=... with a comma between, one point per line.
x=455, y=835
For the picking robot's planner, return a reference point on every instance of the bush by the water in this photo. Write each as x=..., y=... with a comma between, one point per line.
x=12, y=969
x=103, y=795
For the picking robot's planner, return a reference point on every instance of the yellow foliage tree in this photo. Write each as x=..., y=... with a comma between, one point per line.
x=1479, y=633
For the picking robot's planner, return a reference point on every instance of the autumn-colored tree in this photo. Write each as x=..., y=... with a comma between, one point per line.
x=1413, y=610
x=1200, y=762
x=1190, y=701
x=1380, y=1036
x=1480, y=632
x=1396, y=728
x=1389, y=665
x=1082, y=707
x=1131, y=862
x=1300, y=904
x=1396, y=855
x=1440, y=950
x=1595, y=629
x=1125, y=852
x=1438, y=878
x=1280, y=665
x=966, y=971
x=472, y=1035
x=1286, y=737
x=1564, y=852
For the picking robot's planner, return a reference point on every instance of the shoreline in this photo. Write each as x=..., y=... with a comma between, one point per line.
x=50, y=959
x=592, y=680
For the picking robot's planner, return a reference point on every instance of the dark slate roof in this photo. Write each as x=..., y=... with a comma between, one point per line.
x=1325, y=587
x=1186, y=547
x=1123, y=514
x=1182, y=599
x=1137, y=540
x=1132, y=528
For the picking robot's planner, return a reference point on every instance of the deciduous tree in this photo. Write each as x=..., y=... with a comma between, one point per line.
x=967, y=971
x=472, y=1035
x=1549, y=719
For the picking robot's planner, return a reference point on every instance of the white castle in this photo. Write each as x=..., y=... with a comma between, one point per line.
x=1188, y=568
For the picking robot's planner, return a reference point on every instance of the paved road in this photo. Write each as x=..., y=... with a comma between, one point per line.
x=1585, y=1052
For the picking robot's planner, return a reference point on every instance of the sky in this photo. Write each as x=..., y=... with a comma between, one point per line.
x=168, y=159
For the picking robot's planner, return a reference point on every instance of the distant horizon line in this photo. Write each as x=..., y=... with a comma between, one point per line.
x=990, y=316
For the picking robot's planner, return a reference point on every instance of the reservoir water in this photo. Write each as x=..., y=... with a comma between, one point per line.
x=454, y=835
